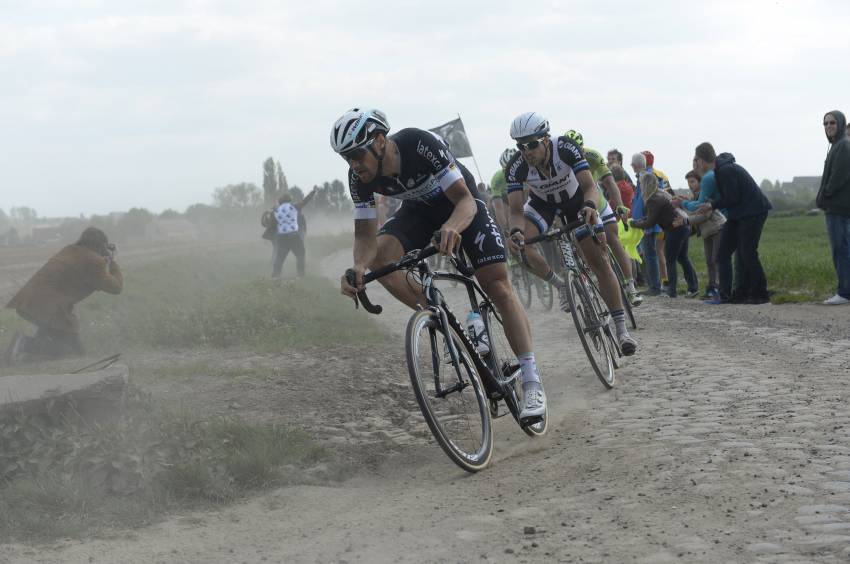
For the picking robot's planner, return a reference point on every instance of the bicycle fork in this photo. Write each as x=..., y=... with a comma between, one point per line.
x=444, y=319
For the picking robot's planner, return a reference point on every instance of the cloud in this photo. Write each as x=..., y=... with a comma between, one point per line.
x=157, y=105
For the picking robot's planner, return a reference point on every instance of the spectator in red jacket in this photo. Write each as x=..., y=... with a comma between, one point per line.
x=627, y=192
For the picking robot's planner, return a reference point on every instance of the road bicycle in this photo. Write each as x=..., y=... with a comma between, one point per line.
x=590, y=314
x=458, y=389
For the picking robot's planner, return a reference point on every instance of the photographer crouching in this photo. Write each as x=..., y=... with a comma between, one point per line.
x=47, y=299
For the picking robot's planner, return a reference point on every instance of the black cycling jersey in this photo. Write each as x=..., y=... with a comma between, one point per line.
x=567, y=159
x=427, y=170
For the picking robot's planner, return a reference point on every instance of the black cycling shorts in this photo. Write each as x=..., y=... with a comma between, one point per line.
x=414, y=225
x=542, y=213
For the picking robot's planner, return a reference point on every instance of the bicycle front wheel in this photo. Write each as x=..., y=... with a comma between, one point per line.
x=450, y=394
x=589, y=326
x=502, y=363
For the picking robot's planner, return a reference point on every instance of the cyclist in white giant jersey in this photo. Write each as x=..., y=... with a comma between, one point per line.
x=561, y=185
x=438, y=194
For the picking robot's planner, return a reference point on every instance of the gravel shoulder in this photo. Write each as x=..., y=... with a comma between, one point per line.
x=725, y=440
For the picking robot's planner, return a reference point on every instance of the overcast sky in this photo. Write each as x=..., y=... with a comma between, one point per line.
x=106, y=105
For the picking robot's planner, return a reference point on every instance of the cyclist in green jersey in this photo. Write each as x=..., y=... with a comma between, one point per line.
x=499, y=190
x=602, y=176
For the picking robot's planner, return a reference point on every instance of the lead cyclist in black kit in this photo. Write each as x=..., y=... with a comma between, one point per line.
x=560, y=184
x=438, y=193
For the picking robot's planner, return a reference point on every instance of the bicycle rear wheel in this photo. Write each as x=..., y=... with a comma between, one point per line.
x=521, y=284
x=451, y=397
x=501, y=362
x=621, y=280
x=584, y=300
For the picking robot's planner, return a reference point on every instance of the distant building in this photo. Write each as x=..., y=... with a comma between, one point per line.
x=805, y=183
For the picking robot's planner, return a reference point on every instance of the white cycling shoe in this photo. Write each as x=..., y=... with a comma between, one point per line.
x=533, y=403
x=627, y=344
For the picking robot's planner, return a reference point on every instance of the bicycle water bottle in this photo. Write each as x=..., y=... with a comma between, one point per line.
x=477, y=334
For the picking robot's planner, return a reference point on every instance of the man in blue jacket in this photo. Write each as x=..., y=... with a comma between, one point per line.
x=651, y=267
x=746, y=208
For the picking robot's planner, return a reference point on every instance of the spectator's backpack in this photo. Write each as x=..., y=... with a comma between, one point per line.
x=268, y=218
x=269, y=221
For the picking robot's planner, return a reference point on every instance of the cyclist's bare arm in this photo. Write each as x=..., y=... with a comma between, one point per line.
x=588, y=189
x=365, y=251
x=465, y=210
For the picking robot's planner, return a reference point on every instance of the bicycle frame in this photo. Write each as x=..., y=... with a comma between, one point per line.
x=435, y=302
x=417, y=260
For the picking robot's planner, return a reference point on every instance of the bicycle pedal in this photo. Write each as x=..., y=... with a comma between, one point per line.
x=529, y=421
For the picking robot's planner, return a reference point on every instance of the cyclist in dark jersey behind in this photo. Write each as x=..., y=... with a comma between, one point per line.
x=560, y=183
x=438, y=193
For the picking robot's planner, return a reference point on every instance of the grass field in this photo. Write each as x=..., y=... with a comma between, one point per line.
x=218, y=297
x=796, y=257
x=73, y=478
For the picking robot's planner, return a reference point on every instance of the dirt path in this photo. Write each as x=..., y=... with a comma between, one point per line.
x=726, y=440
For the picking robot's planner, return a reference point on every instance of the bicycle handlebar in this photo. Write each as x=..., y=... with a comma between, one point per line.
x=409, y=259
x=557, y=232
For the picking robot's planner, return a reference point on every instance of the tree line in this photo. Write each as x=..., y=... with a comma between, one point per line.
x=233, y=204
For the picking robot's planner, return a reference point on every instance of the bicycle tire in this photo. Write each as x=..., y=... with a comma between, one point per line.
x=621, y=280
x=498, y=362
x=609, y=329
x=521, y=284
x=594, y=341
x=425, y=345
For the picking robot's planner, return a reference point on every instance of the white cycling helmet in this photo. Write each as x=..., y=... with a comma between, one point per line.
x=506, y=157
x=356, y=128
x=529, y=124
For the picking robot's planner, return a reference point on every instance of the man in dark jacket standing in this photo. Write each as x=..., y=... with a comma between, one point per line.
x=747, y=209
x=834, y=199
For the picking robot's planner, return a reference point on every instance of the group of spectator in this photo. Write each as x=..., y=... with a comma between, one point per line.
x=727, y=209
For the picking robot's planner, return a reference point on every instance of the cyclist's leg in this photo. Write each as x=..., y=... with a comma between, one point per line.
x=609, y=287
x=538, y=217
x=612, y=234
x=488, y=258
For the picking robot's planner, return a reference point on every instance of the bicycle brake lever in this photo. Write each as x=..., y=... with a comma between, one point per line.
x=351, y=278
x=361, y=297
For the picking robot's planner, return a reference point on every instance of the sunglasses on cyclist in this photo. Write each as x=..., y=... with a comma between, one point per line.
x=529, y=146
x=356, y=154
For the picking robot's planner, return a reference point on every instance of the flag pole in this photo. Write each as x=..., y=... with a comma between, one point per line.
x=480, y=178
